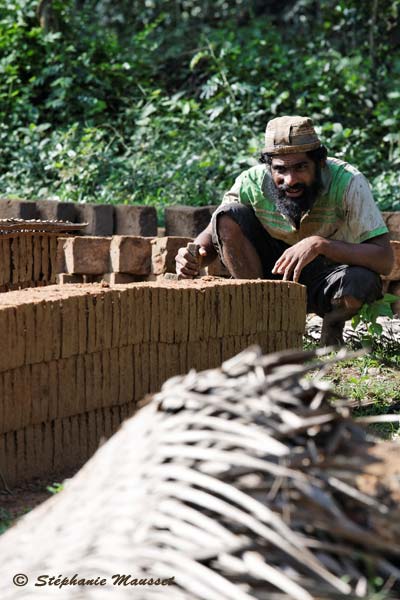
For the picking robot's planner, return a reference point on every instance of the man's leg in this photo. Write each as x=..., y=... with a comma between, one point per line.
x=244, y=246
x=238, y=254
x=337, y=293
x=333, y=323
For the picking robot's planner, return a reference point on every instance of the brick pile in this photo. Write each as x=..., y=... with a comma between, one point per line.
x=27, y=260
x=76, y=360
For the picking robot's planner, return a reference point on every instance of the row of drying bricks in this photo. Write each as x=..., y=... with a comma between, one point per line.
x=27, y=259
x=37, y=326
x=120, y=259
x=39, y=393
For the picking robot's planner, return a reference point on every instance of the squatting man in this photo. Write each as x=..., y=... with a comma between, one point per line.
x=300, y=216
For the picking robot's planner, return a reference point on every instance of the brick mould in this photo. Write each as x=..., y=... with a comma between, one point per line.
x=75, y=361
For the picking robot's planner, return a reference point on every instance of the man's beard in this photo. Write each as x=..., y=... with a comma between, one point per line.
x=294, y=208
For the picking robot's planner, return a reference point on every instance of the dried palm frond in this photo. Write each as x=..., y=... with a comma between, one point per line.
x=240, y=482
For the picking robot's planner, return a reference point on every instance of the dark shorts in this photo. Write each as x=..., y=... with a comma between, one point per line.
x=325, y=281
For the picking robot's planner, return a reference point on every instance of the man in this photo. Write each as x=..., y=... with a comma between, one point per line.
x=304, y=217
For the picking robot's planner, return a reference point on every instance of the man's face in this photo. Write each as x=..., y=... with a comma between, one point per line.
x=293, y=173
x=297, y=182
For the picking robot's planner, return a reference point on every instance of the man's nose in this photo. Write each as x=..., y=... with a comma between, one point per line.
x=290, y=178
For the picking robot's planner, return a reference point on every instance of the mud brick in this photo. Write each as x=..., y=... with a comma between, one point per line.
x=15, y=260
x=187, y=221
x=107, y=321
x=65, y=278
x=132, y=317
x=116, y=317
x=394, y=274
x=53, y=210
x=106, y=389
x=97, y=383
x=392, y=220
x=45, y=258
x=91, y=323
x=17, y=209
x=53, y=258
x=126, y=375
x=69, y=327
x=87, y=255
x=37, y=257
x=114, y=374
x=118, y=278
x=60, y=256
x=136, y=322
x=158, y=314
x=100, y=218
x=137, y=359
x=29, y=257
x=164, y=251
x=217, y=269
x=135, y=220
x=6, y=258
x=130, y=254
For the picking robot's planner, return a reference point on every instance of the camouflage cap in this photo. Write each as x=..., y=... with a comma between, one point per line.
x=286, y=135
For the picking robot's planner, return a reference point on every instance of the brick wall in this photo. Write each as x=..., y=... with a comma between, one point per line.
x=76, y=360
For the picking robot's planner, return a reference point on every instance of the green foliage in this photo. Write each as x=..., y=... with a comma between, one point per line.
x=55, y=488
x=165, y=102
x=5, y=520
x=369, y=313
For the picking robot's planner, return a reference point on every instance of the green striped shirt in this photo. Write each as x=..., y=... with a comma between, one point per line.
x=344, y=210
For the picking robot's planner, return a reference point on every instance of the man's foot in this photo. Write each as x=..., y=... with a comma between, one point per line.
x=332, y=332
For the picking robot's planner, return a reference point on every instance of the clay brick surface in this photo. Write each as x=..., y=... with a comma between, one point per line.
x=100, y=218
x=135, y=220
x=17, y=209
x=394, y=275
x=164, y=251
x=187, y=221
x=53, y=210
x=65, y=278
x=130, y=254
x=217, y=269
x=392, y=220
x=87, y=255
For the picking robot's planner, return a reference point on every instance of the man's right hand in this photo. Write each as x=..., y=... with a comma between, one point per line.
x=187, y=265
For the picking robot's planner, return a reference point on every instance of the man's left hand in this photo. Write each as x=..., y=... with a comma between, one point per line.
x=295, y=258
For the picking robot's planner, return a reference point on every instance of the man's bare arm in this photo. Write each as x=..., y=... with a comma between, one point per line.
x=375, y=254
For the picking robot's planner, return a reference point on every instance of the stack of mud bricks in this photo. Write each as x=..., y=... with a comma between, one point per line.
x=392, y=281
x=119, y=259
x=27, y=260
x=76, y=360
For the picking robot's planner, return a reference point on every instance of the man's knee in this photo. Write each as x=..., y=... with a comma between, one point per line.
x=228, y=223
x=350, y=304
x=359, y=286
x=227, y=228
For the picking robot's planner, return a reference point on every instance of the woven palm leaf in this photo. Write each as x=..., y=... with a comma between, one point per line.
x=240, y=482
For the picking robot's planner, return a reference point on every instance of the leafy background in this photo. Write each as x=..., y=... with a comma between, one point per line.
x=165, y=101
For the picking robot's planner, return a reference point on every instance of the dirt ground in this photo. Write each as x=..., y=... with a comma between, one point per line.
x=25, y=497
